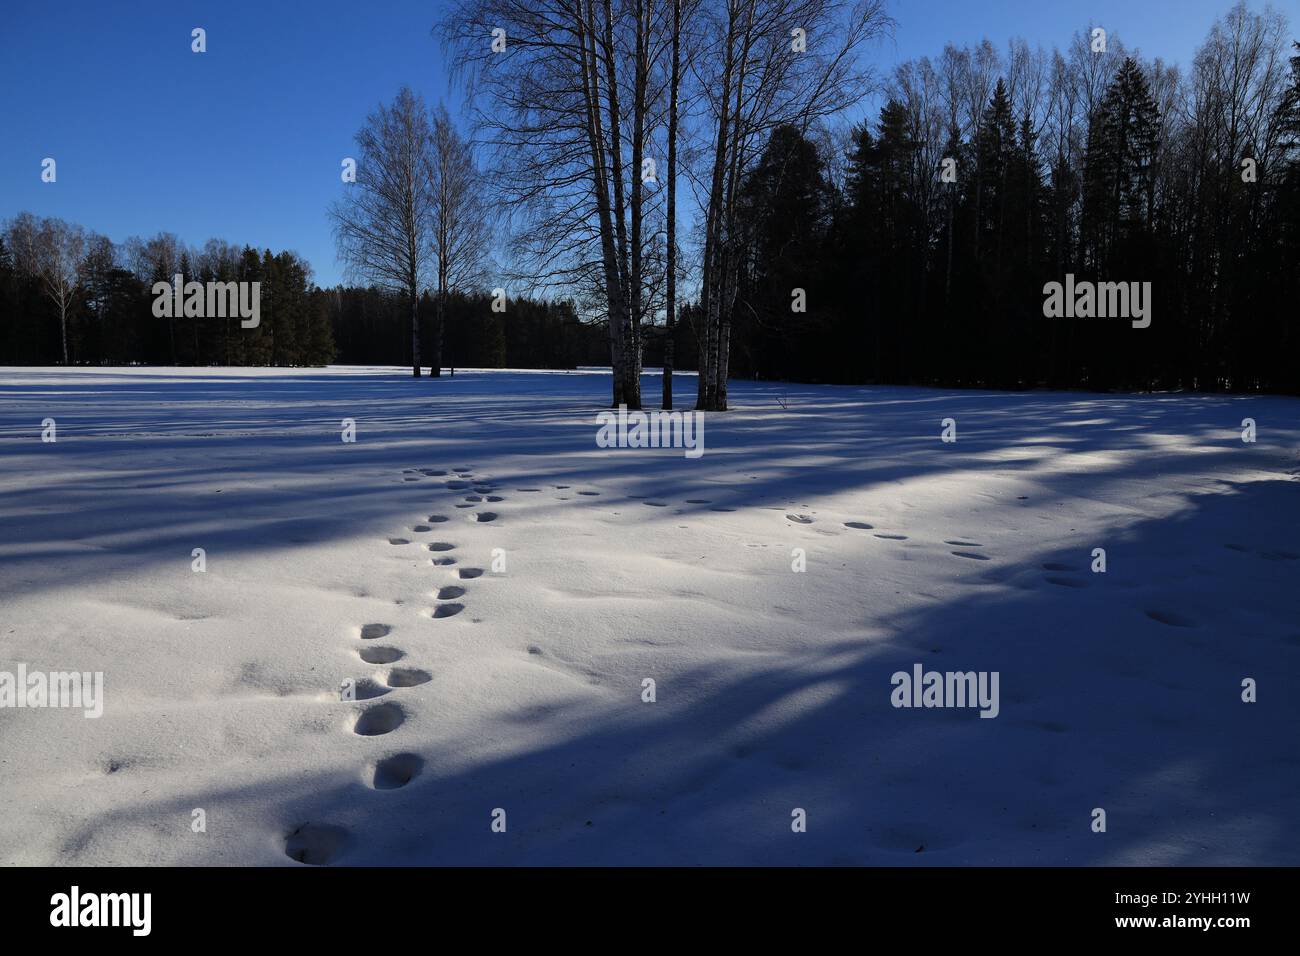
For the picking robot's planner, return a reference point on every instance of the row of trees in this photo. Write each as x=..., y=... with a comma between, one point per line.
x=373, y=326
x=71, y=295
x=1088, y=162
x=586, y=108
x=912, y=249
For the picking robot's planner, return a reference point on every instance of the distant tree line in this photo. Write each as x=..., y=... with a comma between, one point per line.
x=1092, y=163
x=373, y=326
x=69, y=296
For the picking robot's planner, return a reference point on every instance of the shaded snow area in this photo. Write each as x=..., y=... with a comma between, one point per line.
x=496, y=591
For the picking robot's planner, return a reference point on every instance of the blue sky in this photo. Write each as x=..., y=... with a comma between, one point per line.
x=244, y=141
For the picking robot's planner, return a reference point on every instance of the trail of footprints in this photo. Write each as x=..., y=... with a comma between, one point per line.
x=962, y=546
x=320, y=844
x=1061, y=574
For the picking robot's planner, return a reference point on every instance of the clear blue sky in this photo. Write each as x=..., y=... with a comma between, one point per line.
x=244, y=141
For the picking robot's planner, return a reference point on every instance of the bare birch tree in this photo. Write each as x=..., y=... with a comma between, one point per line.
x=53, y=251
x=460, y=221
x=754, y=78
x=564, y=105
x=383, y=223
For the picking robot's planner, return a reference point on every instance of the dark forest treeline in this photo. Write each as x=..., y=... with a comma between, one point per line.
x=373, y=326
x=916, y=250
x=109, y=316
x=75, y=297
x=1192, y=185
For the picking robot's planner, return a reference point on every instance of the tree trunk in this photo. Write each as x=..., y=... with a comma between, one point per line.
x=713, y=241
x=628, y=371
x=415, y=330
x=63, y=329
x=435, y=358
x=634, y=293
x=609, y=254
x=727, y=257
x=671, y=267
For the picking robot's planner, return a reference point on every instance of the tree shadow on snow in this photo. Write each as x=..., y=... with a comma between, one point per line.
x=1119, y=691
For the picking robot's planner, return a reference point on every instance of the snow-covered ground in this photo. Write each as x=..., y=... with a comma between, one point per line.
x=522, y=690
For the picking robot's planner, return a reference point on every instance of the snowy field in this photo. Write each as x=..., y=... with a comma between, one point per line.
x=521, y=689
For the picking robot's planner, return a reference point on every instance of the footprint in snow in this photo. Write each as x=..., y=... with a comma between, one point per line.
x=965, y=544
x=466, y=574
x=447, y=610
x=436, y=519
x=315, y=844
x=450, y=591
x=970, y=554
x=860, y=525
x=406, y=677
x=370, y=632
x=893, y=537
x=379, y=720
x=399, y=541
x=379, y=655
x=366, y=689
x=441, y=546
x=395, y=772
x=442, y=562
x=484, y=516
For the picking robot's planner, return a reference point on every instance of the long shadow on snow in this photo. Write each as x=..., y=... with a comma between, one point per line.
x=1102, y=705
